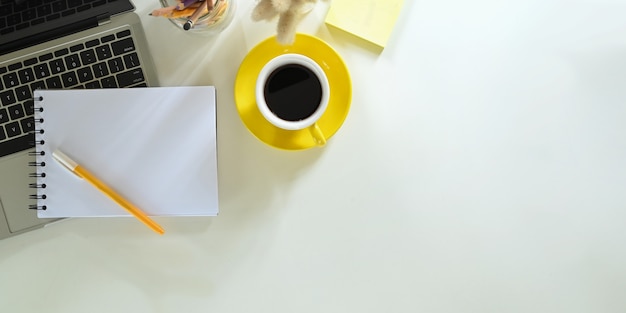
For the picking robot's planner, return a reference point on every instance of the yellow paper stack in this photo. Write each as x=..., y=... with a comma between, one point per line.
x=369, y=19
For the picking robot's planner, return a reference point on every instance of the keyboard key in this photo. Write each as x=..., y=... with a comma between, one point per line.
x=59, y=6
x=7, y=30
x=72, y=61
x=29, y=107
x=37, y=85
x=88, y=57
x=21, y=26
x=29, y=14
x=38, y=21
x=54, y=83
x=123, y=46
x=74, y=3
x=92, y=43
x=84, y=74
x=44, y=10
x=28, y=125
x=14, y=19
x=68, y=12
x=56, y=66
x=45, y=57
x=103, y=52
x=16, y=111
x=93, y=85
x=77, y=47
x=100, y=70
x=10, y=80
x=107, y=38
x=41, y=70
x=26, y=75
x=116, y=65
x=20, y=6
x=61, y=52
x=35, y=3
x=13, y=129
x=4, y=116
x=53, y=17
x=130, y=78
x=5, y=9
x=7, y=97
x=69, y=79
x=23, y=93
x=108, y=82
x=124, y=33
x=3, y=136
x=131, y=60
x=30, y=61
x=83, y=8
x=15, y=66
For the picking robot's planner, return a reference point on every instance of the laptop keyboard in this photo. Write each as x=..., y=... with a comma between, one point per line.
x=104, y=61
x=16, y=16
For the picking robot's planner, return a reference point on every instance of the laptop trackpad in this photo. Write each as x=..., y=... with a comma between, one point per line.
x=14, y=193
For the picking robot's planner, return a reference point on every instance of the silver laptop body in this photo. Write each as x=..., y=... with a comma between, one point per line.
x=101, y=45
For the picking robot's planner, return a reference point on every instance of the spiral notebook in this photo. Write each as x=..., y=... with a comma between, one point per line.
x=154, y=146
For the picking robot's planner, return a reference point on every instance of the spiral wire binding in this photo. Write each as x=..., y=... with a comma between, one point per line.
x=38, y=165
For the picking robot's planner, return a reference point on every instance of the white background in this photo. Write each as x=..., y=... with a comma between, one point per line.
x=481, y=169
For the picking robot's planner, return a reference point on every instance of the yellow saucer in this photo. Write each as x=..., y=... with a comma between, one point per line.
x=338, y=79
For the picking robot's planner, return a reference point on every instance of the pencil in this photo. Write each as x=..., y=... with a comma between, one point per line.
x=172, y=12
x=194, y=17
x=83, y=173
x=185, y=3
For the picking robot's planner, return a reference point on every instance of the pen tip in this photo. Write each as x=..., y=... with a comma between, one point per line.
x=187, y=26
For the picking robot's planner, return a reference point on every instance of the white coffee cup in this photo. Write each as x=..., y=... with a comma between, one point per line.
x=287, y=96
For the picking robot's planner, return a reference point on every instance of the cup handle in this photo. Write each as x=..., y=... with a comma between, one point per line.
x=318, y=135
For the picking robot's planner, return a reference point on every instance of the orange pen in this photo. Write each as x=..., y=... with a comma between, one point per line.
x=81, y=172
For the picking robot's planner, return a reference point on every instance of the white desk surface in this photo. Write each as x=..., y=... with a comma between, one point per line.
x=482, y=168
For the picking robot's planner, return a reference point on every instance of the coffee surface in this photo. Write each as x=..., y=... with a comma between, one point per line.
x=293, y=92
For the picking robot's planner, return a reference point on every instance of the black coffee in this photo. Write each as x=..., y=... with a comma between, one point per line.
x=293, y=92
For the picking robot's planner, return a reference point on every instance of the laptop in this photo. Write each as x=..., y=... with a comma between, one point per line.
x=57, y=44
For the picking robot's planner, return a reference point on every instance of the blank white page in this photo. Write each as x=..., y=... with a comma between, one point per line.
x=155, y=146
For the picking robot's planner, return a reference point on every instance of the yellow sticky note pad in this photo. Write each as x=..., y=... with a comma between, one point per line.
x=369, y=19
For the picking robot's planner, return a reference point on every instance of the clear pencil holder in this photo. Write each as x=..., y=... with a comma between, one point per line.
x=212, y=23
